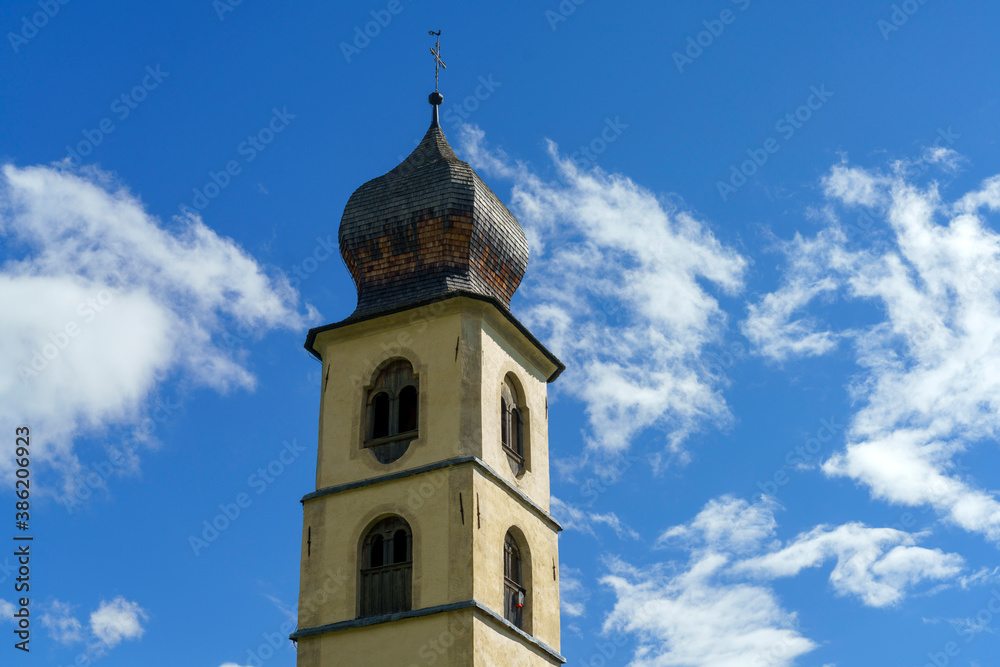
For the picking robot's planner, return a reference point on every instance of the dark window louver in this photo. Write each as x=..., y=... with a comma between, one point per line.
x=386, y=572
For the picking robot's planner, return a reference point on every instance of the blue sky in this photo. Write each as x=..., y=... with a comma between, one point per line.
x=764, y=240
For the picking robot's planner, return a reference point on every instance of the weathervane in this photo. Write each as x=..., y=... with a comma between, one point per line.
x=436, y=52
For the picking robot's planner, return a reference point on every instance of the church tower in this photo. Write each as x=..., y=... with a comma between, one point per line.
x=428, y=539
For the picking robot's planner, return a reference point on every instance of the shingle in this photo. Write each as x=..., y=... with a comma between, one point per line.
x=428, y=227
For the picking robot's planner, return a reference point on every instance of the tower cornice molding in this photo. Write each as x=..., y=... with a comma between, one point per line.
x=473, y=461
x=484, y=612
x=345, y=327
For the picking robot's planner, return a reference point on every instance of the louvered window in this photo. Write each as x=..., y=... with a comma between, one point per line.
x=386, y=572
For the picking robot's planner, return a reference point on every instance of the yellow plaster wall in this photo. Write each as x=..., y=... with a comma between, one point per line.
x=499, y=512
x=351, y=358
x=501, y=355
x=495, y=647
x=444, y=640
x=442, y=544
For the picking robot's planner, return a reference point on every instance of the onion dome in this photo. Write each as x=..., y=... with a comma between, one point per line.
x=429, y=229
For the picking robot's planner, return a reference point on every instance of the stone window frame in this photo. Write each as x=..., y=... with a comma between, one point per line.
x=385, y=568
x=392, y=410
x=514, y=425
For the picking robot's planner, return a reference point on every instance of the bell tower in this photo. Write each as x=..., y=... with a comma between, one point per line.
x=428, y=539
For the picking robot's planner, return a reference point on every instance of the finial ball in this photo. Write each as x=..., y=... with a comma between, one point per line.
x=435, y=98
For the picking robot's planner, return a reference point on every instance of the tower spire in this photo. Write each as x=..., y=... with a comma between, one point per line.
x=436, y=98
x=436, y=52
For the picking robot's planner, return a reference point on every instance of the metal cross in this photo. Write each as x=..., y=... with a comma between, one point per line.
x=436, y=52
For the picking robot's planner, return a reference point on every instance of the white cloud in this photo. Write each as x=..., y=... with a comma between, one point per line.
x=624, y=297
x=290, y=614
x=103, y=302
x=7, y=610
x=573, y=594
x=878, y=565
x=62, y=624
x=853, y=186
x=771, y=324
x=930, y=383
x=719, y=610
x=689, y=619
x=573, y=518
x=726, y=524
x=117, y=620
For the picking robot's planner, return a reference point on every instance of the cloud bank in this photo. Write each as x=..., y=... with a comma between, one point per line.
x=929, y=383
x=103, y=302
x=719, y=608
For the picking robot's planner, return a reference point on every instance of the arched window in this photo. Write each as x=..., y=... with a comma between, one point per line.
x=514, y=593
x=386, y=569
x=392, y=409
x=512, y=426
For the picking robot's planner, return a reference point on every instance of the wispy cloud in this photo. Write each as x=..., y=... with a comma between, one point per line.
x=62, y=625
x=573, y=593
x=929, y=387
x=626, y=297
x=113, y=622
x=877, y=565
x=573, y=518
x=687, y=618
x=719, y=610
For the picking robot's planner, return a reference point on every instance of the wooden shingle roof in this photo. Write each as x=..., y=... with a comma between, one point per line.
x=428, y=228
